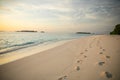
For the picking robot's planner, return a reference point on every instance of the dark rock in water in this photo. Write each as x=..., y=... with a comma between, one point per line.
x=108, y=74
x=101, y=63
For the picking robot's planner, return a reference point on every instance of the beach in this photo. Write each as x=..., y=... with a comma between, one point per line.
x=88, y=58
x=28, y=51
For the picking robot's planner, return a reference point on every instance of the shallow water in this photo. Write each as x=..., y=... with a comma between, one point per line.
x=10, y=41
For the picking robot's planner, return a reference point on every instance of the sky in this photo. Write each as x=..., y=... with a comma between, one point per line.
x=96, y=16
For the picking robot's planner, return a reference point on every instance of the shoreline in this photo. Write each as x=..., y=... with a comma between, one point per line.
x=31, y=50
x=88, y=58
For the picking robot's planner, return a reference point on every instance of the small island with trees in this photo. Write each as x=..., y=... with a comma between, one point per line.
x=83, y=33
x=26, y=31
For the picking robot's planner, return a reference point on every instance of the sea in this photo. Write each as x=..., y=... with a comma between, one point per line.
x=12, y=41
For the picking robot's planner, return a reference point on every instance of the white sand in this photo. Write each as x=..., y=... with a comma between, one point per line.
x=90, y=58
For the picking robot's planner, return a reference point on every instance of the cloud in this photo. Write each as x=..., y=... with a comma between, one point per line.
x=4, y=5
x=95, y=9
x=46, y=11
x=88, y=13
x=52, y=5
x=4, y=8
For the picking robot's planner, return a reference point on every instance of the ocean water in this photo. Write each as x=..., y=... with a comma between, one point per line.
x=11, y=41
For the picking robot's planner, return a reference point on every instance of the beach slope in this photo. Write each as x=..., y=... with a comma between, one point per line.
x=88, y=58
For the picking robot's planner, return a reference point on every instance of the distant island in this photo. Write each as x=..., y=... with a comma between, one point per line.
x=83, y=33
x=26, y=31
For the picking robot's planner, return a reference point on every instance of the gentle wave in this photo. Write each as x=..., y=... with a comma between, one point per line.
x=14, y=41
x=24, y=44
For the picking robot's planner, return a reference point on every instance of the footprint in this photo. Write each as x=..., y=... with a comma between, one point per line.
x=60, y=78
x=100, y=47
x=101, y=53
x=86, y=50
x=81, y=53
x=108, y=57
x=63, y=78
x=101, y=63
x=85, y=56
x=103, y=49
x=108, y=74
x=79, y=61
x=77, y=68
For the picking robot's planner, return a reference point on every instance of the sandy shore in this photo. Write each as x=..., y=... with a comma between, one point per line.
x=89, y=58
x=22, y=53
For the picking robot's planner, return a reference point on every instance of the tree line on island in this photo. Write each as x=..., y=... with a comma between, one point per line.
x=83, y=33
x=116, y=30
x=30, y=31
